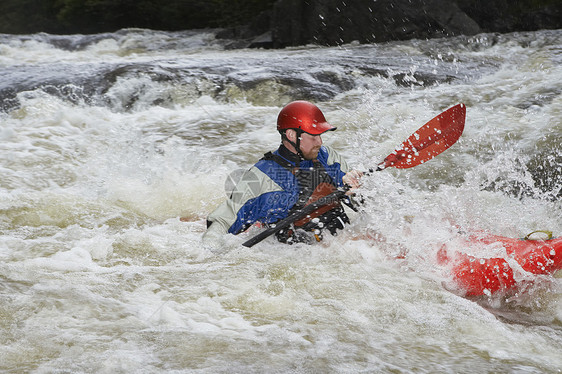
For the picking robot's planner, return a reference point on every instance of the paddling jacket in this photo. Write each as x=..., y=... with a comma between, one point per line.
x=275, y=186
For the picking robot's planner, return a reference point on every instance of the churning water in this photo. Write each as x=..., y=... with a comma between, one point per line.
x=107, y=140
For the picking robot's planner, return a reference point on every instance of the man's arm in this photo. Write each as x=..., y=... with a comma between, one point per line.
x=239, y=207
x=348, y=176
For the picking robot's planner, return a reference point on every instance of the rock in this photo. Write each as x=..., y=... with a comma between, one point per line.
x=333, y=22
x=264, y=40
x=506, y=16
x=545, y=18
x=336, y=22
x=255, y=35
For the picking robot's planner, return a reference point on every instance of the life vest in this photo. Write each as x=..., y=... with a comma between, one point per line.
x=314, y=184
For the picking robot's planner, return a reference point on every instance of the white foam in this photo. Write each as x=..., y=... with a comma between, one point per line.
x=99, y=273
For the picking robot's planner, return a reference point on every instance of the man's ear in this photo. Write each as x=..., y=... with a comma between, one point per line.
x=291, y=135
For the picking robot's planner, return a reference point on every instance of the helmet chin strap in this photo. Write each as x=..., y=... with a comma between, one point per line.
x=296, y=145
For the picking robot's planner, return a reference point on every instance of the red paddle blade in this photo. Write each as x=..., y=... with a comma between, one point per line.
x=430, y=140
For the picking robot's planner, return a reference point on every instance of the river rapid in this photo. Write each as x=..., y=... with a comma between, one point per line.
x=107, y=140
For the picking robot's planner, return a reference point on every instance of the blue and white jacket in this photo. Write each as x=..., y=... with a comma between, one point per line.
x=268, y=191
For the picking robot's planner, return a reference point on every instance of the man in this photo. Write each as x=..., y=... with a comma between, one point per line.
x=299, y=172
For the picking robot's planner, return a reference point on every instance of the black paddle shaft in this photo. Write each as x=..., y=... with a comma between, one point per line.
x=328, y=199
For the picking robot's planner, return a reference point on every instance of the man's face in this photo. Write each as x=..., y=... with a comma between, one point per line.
x=310, y=145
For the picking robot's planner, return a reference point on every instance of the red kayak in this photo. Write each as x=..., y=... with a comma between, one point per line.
x=486, y=276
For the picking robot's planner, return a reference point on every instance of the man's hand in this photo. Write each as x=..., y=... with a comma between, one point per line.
x=352, y=179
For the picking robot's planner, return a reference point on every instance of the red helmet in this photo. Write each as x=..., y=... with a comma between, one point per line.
x=305, y=116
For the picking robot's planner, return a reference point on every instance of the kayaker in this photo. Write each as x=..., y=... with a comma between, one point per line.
x=299, y=172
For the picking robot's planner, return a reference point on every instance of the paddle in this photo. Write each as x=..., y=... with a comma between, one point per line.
x=427, y=142
x=308, y=209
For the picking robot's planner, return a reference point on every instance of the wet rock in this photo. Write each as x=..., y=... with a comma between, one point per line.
x=336, y=22
x=264, y=40
x=506, y=16
x=257, y=34
x=333, y=22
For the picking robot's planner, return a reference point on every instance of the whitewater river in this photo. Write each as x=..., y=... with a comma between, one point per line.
x=107, y=140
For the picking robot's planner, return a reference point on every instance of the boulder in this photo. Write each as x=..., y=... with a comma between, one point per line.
x=510, y=16
x=334, y=22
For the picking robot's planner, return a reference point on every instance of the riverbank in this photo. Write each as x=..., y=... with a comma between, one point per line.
x=282, y=23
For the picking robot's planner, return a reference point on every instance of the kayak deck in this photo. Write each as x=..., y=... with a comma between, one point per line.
x=485, y=276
